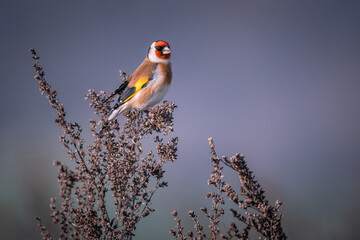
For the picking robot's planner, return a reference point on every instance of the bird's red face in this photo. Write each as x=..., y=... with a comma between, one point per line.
x=162, y=50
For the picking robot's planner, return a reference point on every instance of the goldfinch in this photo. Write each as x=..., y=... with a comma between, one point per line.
x=148, y=84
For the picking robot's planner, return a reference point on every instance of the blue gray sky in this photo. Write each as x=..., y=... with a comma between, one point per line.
x=278, y=81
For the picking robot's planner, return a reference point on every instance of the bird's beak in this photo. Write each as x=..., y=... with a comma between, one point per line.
x=166, y=50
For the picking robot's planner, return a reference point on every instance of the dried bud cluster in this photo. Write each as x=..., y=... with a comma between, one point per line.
x=259, y=214
x=112, y=167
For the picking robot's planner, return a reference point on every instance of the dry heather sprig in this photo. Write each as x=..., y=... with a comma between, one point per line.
x=114, y=165
x=259, y=214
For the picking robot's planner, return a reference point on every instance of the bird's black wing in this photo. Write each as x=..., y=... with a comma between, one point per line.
x=119, y=90
x=127, y=92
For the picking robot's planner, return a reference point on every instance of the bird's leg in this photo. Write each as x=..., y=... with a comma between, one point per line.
x=147, y=109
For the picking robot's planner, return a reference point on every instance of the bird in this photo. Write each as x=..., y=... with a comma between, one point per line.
x=148, y=84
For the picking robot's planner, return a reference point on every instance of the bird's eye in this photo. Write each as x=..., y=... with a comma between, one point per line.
x=159, y=48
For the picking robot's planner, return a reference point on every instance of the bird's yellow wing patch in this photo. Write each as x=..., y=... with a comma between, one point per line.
x=138, y=85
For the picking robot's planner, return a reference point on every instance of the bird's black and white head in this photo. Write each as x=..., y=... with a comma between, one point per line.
x=159, y=51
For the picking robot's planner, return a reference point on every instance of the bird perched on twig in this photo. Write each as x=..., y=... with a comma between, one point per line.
x=148, y=84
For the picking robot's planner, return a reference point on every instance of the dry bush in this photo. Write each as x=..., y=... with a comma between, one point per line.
x=115, y=167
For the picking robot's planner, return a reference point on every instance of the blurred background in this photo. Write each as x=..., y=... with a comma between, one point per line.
x=278, y=81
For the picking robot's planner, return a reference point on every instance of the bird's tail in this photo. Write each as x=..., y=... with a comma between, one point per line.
x=114, y=114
